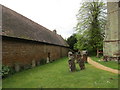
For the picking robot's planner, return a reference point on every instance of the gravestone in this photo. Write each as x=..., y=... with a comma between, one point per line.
x=17, y=67
x=70, y=55
x=72, y=66
x=81, y=64
x=33, y=63
x=48, y=60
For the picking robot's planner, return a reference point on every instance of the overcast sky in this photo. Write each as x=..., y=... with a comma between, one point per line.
x=52, y=14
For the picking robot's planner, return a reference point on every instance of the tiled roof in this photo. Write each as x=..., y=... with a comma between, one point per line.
x=18, y=26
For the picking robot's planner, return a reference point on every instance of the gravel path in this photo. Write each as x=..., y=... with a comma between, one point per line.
x=97, y=65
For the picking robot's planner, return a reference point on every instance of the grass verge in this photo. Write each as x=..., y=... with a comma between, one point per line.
x=111, y=64
x=57, y=75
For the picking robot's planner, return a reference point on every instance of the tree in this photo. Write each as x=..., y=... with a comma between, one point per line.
x=71, y=41
x=91, y=25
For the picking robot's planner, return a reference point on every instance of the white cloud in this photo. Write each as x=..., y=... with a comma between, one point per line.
x=52, y=14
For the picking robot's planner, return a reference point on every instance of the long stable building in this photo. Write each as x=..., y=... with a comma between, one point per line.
x=25, y=42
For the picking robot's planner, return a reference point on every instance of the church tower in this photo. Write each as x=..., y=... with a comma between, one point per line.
x=111, y=47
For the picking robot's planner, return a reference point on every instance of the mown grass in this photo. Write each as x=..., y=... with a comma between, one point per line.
x=111, y=64
x=57, y=75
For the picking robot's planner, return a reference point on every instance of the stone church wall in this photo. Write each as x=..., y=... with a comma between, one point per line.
x=112, y=33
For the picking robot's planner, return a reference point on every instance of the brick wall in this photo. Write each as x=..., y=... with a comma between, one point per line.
x=23, y=52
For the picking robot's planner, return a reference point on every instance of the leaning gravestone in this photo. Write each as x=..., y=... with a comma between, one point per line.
x=71, y=62
x=72, y=66
x=81, y=64
x=70, y=55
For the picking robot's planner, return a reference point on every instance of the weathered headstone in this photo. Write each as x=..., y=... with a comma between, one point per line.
x=48, y=60
x=81, y=64
x=70, y=55
x=72, y=66
x=33, y=63
x=17, y=67
x=105, y=58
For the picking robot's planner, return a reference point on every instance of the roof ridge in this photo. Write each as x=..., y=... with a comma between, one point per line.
x=17, y=25
x=27, y=18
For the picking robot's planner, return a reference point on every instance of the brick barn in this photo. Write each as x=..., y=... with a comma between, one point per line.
x=25, y=42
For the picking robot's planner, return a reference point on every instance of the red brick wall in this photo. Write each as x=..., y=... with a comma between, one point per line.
x=22, y=52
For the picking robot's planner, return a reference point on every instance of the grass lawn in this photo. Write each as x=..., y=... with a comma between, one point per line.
x=111, y=64
x=57, y=75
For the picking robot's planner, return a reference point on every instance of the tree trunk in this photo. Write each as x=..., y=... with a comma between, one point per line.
x=97, y=53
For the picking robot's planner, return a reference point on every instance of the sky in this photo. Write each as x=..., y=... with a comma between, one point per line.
x=52, y=14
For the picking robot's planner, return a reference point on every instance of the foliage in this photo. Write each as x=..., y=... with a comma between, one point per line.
x=12, y=70
x=71, y=41
x=42, y=61
x=57, y=75
x=5, y=71
x=91, y=24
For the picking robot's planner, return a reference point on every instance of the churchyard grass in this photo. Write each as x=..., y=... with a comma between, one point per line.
x=57, y=75
x=111, y=64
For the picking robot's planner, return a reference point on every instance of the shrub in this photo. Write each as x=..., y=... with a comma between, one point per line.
x=5, y=71
x=12, y=70
x=43, y=61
